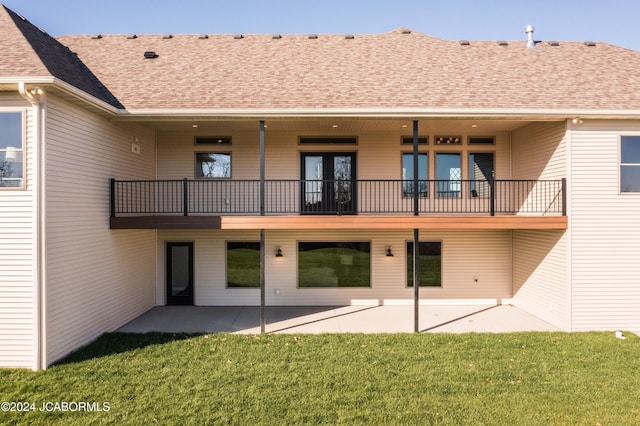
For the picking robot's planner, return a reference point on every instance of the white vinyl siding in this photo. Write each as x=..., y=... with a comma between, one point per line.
x=476, y=265
x=17, y=258
x=605, y=233
x=97, y=279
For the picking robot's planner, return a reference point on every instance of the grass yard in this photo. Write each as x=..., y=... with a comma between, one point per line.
x=382, y=379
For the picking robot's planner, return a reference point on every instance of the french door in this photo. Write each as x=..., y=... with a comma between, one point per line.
x=328, y=183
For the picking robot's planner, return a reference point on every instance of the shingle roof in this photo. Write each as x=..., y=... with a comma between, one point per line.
x=395, y=70
x=27, y=51
x=399, y=69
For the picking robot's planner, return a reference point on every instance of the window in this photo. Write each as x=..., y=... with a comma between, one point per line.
x=475, y=140
x=429, y=264
x=328, y=140
x=334, y=264
x=630, y=164
x=407, y=175
x=11, y=150
x=243, y=264
x=213, y=165
x=448, y=175
x=408, y=140
x=212, y=140
x=480, y=172
x=448, y=140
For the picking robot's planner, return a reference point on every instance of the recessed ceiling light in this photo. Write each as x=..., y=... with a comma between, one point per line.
x=335, y=126
x=404, y=126
x=474, y=125
x=194, y=126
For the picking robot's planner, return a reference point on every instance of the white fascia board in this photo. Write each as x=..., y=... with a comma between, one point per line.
x=364, y=113
x=44, y=82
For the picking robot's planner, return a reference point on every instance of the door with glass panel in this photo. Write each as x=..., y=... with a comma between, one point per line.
x=179, y=273
x=328, y=183
x=481, y=173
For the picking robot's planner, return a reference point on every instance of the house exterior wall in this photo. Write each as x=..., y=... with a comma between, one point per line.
x=476, y=267
x=379, y=154
x=540, y=258
x=485, y=255
x=96, y=279
x=605, y=236
x=18, y=254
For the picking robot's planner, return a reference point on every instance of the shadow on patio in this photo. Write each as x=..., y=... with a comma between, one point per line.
x=337, y=319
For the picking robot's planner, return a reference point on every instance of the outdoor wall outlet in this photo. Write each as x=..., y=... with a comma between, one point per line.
x=276, y=292
x=135, y=148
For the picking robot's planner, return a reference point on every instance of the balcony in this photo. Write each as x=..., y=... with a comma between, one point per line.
x=206, y=203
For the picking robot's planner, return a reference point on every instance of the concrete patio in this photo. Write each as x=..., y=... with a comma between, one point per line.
x=340, y=319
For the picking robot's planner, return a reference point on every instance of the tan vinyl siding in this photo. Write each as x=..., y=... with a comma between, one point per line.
x=97, y=279
x=540, y=258
x=539, y=153
x=17, y=258
x=540, y=280
x=467, y=255
x=605, y=233
x=378, y=157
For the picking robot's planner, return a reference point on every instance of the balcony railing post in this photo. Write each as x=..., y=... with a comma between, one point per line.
x=185, y=196
x=113, y=197
x=492, y=195
x=564, y=196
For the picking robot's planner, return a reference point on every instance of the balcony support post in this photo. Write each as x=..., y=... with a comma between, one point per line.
x=185, y=196
x=263, y=321
x=416, y=232
x=113, y=197
x=564, y=196
x=492, y=195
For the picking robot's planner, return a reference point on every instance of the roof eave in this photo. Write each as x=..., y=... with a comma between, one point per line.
x=50, y=83
x=372, y=113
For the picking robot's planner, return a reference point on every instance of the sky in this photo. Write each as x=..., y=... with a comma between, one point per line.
x=610, y=21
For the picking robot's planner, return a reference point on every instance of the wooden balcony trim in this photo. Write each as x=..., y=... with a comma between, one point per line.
x=165, y=222
x=339, y=222
x=394, y=222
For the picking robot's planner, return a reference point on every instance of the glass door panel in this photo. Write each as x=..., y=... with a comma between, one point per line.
x=313, y=186
x=179, y=273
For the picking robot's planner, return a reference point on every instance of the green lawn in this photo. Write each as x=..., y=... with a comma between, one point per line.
x=384, y=379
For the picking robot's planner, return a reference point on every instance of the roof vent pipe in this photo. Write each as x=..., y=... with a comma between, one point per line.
x=530, y=42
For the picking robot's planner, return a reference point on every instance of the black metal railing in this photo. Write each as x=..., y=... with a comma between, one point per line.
x=284, y=197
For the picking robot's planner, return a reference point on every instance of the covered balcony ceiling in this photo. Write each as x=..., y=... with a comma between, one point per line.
x=327, y=126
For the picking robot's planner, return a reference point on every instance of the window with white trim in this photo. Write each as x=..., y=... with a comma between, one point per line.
x=11, y=150
x=630, y=164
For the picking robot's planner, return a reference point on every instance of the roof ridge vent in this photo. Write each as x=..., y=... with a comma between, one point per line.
x=149, y=54
x=238, y=36
x=502, y=43
x=554, y=43
x=465, y=43
x=590, y=43
x=97, y=37
x=276, y=36
x=132, y=36
x=529, y=29
x=349, y=36
x=313, y=36
x=167, y=36
x=203, y=36
x=406, y=31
